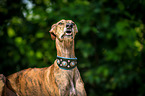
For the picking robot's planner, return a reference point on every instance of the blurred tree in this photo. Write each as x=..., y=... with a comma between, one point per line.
x=109, y=44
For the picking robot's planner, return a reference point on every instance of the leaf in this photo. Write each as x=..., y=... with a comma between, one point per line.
x=39, y=55
x=11, y=32
x=18, y=40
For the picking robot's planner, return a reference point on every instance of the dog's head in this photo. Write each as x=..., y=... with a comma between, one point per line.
x=64, y=29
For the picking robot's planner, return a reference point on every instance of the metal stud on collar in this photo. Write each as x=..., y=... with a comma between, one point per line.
x=66, y=63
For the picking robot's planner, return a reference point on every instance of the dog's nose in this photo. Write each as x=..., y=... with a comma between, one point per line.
x=69, y=25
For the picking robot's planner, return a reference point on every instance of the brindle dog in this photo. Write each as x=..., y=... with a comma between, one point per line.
x=56, y=80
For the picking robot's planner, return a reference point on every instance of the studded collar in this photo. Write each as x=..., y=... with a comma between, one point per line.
x=66, y=63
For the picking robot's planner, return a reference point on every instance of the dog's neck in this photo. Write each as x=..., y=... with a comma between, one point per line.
x=65, y=48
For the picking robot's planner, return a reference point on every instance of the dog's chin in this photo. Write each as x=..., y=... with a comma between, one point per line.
x=67, y=36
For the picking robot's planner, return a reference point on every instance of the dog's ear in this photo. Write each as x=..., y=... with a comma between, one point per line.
x=76, y=29
x=53, y=31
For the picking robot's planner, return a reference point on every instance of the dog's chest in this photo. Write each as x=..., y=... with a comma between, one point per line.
x=64, y=75
x=65, y=82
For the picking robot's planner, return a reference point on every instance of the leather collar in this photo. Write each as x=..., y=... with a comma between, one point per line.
x=66, y=63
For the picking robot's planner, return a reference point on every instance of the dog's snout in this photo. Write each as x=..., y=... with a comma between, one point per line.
x=69, y=25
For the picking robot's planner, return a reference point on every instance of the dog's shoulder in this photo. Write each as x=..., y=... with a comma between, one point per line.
x=27, y=73
x=29, y=78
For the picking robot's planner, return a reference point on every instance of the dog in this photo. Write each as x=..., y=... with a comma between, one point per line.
x=60, y=79
x=4, y=90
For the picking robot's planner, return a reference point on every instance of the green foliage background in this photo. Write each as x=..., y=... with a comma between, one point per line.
x=109, y=45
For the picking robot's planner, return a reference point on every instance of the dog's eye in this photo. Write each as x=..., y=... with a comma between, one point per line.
x=60, y=23
x=73, y=24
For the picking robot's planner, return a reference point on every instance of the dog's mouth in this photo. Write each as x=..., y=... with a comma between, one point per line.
x=67, y=34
